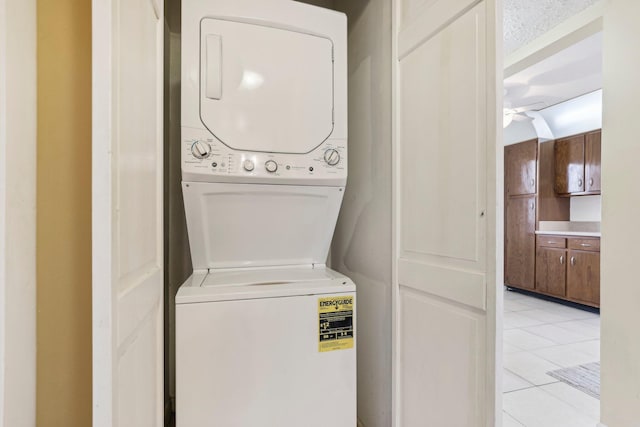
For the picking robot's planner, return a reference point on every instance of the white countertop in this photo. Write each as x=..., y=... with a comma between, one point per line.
x=569, y=228
x=570, y=233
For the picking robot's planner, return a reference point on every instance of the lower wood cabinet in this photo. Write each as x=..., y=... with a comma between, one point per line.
x=568, y=268
x=551, y=277
x=583, y=277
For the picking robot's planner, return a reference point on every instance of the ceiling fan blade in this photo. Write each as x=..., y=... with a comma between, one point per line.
x=521, y=117
x=530, y=107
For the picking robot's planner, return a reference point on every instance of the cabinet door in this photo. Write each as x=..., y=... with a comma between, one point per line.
x=583, y=277
x=520, y=242
x=569, y=165
x=520, y=167
x=551, y=268
x=592, y=161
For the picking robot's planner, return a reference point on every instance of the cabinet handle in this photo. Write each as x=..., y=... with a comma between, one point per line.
x=561, y=259
x=550, y=242
x=579, y=183
x=533, y=206
x=533, y=182
x=573, y=260
x=585, y=245
x=591, y=182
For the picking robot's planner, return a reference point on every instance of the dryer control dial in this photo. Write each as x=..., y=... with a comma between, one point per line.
x=271, y=166
x=200, y=149
x=248, y=165
x=332, y=157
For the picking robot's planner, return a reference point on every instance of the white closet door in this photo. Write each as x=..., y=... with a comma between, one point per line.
x=127, y=213
x=446, y=211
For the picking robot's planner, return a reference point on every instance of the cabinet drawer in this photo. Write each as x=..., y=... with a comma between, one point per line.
x=551, y=241
x=585, y=244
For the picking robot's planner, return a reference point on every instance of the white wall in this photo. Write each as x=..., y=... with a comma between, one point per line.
x=620, y=290
x=519, y=132
x=17, y=212
x=586, y=208
x=362, y=241
x=577, y=115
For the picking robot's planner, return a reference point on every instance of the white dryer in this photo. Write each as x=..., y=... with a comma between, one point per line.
x=265, y=333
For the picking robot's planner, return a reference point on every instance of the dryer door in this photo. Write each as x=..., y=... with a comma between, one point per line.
x=264, y=88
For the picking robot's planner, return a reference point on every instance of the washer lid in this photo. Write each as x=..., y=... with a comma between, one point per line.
x=254, y=225
x=246, y=284
x=264, y=88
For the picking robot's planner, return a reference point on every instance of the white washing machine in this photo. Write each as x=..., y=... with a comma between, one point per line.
x=265, y=332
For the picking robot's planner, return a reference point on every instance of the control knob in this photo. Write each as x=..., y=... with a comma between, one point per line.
x=248, y=165
x=332, y=157
x=271, y=166
x=200, y=149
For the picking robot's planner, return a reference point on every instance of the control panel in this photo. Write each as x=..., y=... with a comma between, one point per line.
x=204, y=158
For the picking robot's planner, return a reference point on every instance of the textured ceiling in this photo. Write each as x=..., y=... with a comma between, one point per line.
x=526, y=20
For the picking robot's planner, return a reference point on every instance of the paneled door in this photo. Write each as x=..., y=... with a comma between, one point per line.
x=127, y=213
x=447, y=205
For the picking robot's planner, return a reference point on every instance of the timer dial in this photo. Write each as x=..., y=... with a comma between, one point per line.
x=200, y=149
x=332, y=157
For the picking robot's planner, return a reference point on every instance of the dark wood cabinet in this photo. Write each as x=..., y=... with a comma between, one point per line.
x=578, y=164
x=520, y=168
x=593, y=161
x=583, y=271
x=551, y=272
x=529, y=198
x=550, y=206
x=520, y=242
x=569, y=165
x=569, y=268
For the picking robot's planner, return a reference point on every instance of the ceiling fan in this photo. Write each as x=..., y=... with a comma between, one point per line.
x=519, y=114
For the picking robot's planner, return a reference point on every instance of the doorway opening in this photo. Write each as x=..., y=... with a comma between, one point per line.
x=552, y=136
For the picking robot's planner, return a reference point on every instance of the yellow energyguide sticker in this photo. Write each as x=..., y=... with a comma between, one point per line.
x=335, y=315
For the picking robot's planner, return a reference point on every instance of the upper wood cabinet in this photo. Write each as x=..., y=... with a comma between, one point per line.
x=577, y=164
x=592, y=161
x=569, y=165
x=520, y=168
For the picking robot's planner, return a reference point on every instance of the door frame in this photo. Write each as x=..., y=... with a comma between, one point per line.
x=577, y=28
x=18, y=108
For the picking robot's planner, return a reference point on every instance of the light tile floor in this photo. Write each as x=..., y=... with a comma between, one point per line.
x=542, y=336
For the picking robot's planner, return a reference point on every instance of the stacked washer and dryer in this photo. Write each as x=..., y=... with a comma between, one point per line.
x=265, y=332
